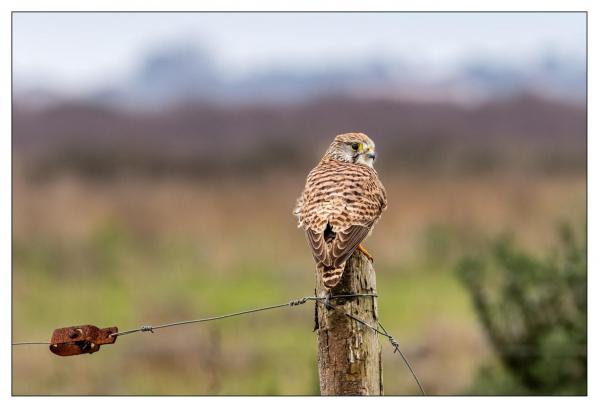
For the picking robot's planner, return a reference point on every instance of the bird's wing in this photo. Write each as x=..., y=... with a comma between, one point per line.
x=318, y=245
x=340, y=249
x=345, y=243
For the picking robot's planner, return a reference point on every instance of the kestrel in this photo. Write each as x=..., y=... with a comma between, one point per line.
x=342, y=200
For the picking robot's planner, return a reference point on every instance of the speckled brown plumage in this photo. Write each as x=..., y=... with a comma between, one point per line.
x=342, y=200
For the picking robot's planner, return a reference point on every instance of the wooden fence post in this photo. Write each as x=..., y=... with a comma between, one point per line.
x=349, y=353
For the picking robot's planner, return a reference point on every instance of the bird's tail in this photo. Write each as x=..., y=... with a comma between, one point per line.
x=331, y=276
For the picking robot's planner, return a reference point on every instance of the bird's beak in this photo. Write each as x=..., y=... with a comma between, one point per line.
x=367, y=150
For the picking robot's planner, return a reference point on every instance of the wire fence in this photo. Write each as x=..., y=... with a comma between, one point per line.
x=326, y=301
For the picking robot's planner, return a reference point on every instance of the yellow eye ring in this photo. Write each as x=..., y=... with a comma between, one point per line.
x=356, y=146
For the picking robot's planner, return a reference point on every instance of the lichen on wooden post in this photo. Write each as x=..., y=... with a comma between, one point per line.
x=349, y=353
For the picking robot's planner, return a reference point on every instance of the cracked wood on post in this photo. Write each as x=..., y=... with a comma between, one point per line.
x=349, y=353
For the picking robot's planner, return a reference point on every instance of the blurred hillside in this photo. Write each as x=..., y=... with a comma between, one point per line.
x=184, y=73
x=519, y=134
x=178, y=113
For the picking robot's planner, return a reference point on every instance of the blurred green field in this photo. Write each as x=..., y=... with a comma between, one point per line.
x=133, y=252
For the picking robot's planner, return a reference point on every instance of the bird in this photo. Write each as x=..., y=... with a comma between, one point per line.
x=342, y=200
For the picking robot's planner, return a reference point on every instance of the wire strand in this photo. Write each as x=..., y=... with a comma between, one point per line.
x=28, y=343
x=148, y=328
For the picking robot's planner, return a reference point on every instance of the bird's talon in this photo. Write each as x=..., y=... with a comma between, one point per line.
x=366, y=253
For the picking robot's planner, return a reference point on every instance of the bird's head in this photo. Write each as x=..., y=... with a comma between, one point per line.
x=352, y=148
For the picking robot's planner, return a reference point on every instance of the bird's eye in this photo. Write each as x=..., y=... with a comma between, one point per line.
x=355, y=146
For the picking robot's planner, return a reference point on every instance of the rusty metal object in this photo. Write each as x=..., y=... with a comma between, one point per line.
x=75, y=340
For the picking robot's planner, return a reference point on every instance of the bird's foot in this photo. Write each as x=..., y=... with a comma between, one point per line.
x=366, y=253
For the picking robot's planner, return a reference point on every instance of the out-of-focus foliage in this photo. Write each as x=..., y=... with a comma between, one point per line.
x=534, y=311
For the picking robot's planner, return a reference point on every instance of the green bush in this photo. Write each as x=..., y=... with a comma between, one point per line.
x=534, y=311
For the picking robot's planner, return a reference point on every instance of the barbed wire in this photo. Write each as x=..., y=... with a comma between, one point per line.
x=148, y=328
x=384, y=333
x=295, y=302
x=395, y=344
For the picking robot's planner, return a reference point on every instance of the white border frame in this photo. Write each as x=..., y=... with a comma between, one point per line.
x=289, y=5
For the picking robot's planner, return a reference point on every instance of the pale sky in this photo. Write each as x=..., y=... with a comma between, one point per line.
x=83, y=49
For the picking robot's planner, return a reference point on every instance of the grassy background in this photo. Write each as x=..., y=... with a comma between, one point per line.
x=138, y=251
